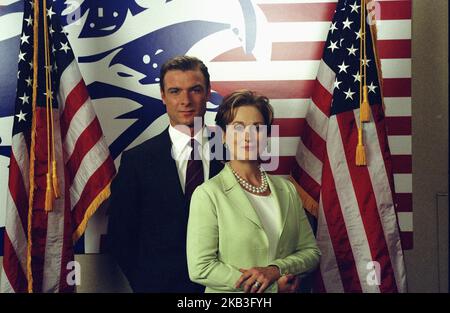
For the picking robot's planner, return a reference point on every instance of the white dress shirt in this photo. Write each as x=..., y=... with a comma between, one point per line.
x=181, y=151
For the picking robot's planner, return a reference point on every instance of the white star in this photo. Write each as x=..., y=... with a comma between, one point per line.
x=346, y=23
x=51, y=30
x=64, y=46
x=32, y=4
x=343, y=67
x=357, y=77
x=21, y=116
x=55, y=67
x=372, y=87
x=24, y=98
x=50, y=96
x=18, y=74
x=333, y=27
x=333, y=46
x=21, y=56
x=31, y=64
x=29, y=81
x=358, y=34
x=352, y=50
x=53, y=49
x=340, y=42
x=354, y=7
x=336, y=83
x=24, y=38
x=366, y=62
x=29, y=21
x=50, y=12
x=349, y=94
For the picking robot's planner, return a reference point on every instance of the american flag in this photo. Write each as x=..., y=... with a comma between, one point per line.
x=38, y=244
x=357, y=225
x=297, y=30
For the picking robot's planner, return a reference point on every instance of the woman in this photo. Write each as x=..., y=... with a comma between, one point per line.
x=247, y=230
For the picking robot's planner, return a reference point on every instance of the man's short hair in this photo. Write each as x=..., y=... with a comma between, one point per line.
x=183, y=63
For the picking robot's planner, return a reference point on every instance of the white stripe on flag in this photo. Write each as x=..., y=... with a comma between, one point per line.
x=309, y=163
x=384, y=201
x=349, y=204
x=405, y=221
x=403, y=183
x=20, y=151
x=289, y=108
x=397, y=106
x=69, y=79
x=318, y=31
x=91, y=162
x=395, y=68
x=329, y=269
x=55, y=224
x=399, y=145
x=326, y=76
x=80, y=121
x=5, y=286
x=16, y=232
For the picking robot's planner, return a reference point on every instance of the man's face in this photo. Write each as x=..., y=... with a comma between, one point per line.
x=185, y=95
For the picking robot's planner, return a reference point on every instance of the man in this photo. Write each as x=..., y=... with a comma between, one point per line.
x=150, y=198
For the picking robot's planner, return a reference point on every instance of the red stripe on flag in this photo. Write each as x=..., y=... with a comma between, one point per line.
x=67, y=248
x=273, y=89
x=305, y=50
x=236, y=54
x=285, y=166
x=88, y=138
x=289, y=127
x=401, y=164
x=306, y=181
x=313, y=50
x=394, y=49
x=323, y=12
x=321, y=98
x=367, y=204
x=379, y=120
x=397, y=87
x=96, y=183
x=395, y=10
x=406, y=238
x=398, y=125
x=298, y=12
x=39, y=237
x=17, y=191
x=338, y=233
x=404, y=202
x=76, y=98
x=313, y=142
x=12, y=267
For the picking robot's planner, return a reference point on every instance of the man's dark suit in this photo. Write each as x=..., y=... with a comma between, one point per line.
x=148, y=217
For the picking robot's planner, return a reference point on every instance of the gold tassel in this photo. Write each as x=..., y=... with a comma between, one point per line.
x=365, y=107
x=49, y=195
x=360, y=151
x=55, y=184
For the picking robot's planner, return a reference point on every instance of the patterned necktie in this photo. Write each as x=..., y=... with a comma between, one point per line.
x=194, y=171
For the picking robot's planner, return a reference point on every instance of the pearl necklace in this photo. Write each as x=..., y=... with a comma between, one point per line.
x=250, y=187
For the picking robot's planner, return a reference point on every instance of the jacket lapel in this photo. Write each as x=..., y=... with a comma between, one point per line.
x=237, y=196
x=281, y=198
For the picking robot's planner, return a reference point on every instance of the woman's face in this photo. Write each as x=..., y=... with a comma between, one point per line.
x=246, y=135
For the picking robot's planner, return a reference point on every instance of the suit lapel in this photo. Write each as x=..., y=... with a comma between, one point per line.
x=238, y=197
x=281, y=199
x=165, y=165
